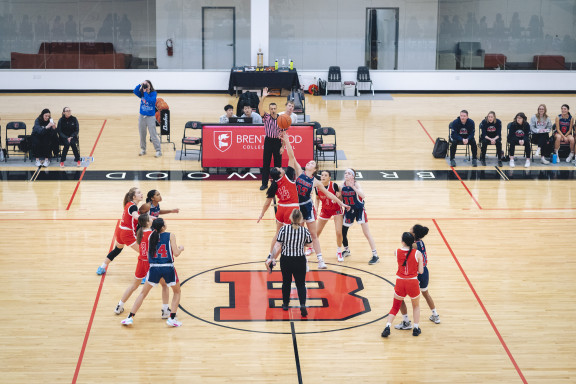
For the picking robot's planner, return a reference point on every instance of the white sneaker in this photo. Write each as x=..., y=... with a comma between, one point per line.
x=128, y=321
x=173, y=322
x=527, y=163
x=142, y=153
x=165, y=313
x=537, y=152
x=339, y=256
x=570, y=157
x=322, y=264
x=544, y=161
x=158, y=154
x=46, y=163
x=435, y=318
x=38, y=163
x=308, y=251
x=512, y=163
x=404, y=325
x=119, y=309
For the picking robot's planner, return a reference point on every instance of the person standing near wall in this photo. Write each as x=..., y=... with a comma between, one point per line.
x=147, y=120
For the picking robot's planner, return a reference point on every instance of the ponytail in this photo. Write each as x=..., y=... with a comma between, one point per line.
x=419, y=231
x=157, y=225
x=296, y=218
x=143, y=220
x=129, y=196
x=408, y=239
x=150, y=195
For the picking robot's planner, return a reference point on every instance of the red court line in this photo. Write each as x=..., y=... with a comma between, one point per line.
x=87, y=335
x=481, y=304
x=372, y=218
x=84, y=171
x=464, y=184
x=431, y=139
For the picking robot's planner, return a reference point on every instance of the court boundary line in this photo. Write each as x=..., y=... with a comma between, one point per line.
x=502, y=342
x=295, y=344
x=84, y=171
x=372, y=218
x=89, y=327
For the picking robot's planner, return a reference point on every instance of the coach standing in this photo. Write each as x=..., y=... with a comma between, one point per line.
x=272, y=142
x=147, y=119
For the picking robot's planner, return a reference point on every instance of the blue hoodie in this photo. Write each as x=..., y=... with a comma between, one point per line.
x=147, y=101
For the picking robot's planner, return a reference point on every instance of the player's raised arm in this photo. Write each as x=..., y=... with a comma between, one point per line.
x=290, y=151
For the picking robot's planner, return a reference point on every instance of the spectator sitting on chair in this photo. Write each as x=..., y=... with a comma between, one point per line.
x=491, y=133
x=256, y=118
x=229, y=113
x=44, y=138
x=462, y=132
x=540, y=127
x=290, y=111
x=519, y=134
x=68, y=129
x=564, y=131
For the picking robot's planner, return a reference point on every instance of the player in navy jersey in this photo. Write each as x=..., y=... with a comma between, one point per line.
x=305, y=183
x=154, y=198
x=162, y=250
x=419, y=232
x=564, y=133
x=353, y=195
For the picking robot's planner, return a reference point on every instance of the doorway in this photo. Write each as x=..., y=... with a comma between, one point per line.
x=218, y=37
x=382, y=38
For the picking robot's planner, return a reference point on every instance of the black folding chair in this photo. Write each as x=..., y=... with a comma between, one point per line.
x=326, y=145
x=195, y=141
x=15, y=139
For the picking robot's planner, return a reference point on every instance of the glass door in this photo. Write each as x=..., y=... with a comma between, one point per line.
x=218, y=37
x=382, y=38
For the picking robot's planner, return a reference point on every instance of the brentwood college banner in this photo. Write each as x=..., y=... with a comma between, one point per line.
x=243, y=146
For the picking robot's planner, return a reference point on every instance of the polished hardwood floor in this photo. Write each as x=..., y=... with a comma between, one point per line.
x=500, y=258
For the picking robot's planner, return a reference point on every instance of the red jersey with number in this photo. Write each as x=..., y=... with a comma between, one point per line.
x=287, y=192
x=143, y=256
x=327, y=204
x=128, y=222
x=410, y=270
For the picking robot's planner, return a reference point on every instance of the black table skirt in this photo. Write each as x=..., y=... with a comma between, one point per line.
x=288, y=80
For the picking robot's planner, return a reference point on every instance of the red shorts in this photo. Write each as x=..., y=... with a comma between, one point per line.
x=326, y=215
x=407, y=287
x=283, y=213
x=125, y=237
x=142, y=269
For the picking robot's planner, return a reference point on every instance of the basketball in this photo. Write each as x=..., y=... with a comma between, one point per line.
x=284, y=122
x=144, y=208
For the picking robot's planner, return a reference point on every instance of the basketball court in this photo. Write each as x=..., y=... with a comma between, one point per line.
x=500, y=256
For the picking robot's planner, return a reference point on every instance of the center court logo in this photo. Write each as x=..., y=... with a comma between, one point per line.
x=245, y=297
x=223, y=140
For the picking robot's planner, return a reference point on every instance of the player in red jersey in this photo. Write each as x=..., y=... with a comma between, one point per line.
x=142, y=267
x=330, y=209
x=410, y=264
x=126, y=232
x=284, y=187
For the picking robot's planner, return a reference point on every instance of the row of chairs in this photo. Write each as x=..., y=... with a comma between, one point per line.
x=564, y=147
x=15, y=132
x=325, y=147
x=363, y=81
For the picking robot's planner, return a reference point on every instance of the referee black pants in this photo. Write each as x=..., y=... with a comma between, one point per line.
x=293, y=266
x=271, y=148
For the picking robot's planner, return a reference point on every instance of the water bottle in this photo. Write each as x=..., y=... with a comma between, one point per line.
x=276, y=64
x=555, y=158
x=291, y=64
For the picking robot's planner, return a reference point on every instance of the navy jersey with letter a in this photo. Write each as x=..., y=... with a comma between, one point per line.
x=163, y=253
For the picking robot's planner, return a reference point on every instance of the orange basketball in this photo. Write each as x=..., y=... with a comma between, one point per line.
x=284, y=122
x=144, y=208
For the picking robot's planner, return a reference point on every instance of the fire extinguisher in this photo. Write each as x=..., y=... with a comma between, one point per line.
x=170, y=47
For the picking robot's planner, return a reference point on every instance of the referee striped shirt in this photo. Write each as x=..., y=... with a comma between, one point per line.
x=293, y=240
x=270, y=126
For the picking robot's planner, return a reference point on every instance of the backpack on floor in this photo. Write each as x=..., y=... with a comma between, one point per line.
x=548, y=147
x=440, y=148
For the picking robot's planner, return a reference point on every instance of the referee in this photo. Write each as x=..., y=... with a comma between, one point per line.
x=272, y=142
x=292, y=238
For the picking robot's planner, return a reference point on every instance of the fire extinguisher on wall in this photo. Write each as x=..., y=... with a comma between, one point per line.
x=169, y=47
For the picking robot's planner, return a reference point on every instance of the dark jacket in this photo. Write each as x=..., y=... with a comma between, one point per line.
x=68, y=127
x=491, y=129
x=518, y=132
x=459, y=131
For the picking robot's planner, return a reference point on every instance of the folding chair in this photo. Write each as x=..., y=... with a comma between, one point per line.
x=12, y=141
x=363, y=81
x=334, y=80
x=323, y=148
x=192, y=140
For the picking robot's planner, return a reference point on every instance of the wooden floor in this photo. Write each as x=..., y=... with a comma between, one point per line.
x=501, y=259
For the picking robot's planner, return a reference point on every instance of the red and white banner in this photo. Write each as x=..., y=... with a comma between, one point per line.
x=243, y=146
